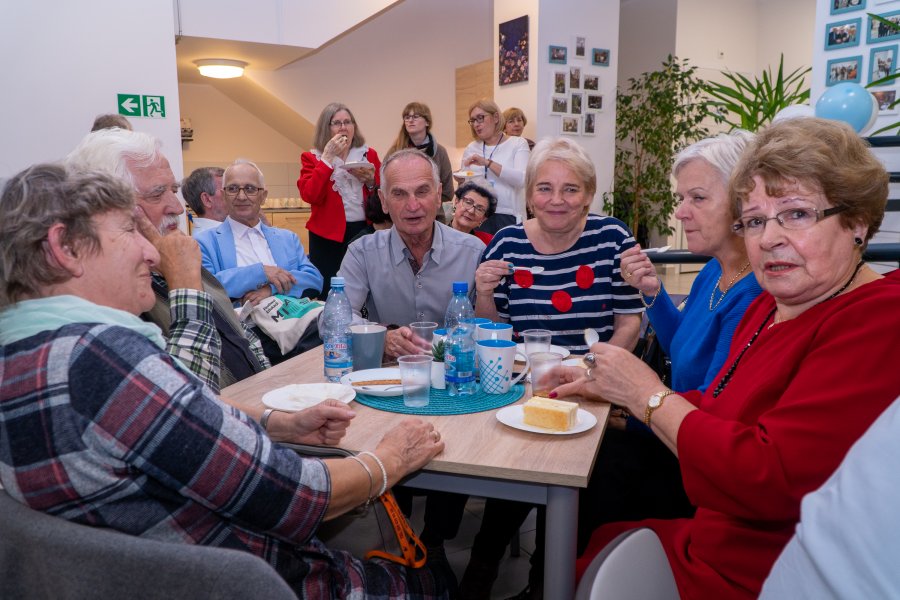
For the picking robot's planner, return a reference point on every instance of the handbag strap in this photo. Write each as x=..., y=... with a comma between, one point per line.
x=410, y=544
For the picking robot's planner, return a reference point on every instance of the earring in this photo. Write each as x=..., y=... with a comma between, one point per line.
x=858, y=241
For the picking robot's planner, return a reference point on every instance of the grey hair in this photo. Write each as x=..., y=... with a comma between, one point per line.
x=410, y=153
x=111, y=151
x=199, y=181
x=567, y=152
x=244, y=161
x=323, y=127
x=35, y=200
x=722, y=152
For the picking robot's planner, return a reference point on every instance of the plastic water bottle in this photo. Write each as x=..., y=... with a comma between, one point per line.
x=459, y=347
x=336, y=332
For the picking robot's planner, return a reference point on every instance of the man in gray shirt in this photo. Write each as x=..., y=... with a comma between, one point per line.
x=405, y=274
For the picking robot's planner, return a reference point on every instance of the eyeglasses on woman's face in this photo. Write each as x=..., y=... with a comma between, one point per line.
x=471, y=204
x=344, y=123
x=412, y=117
x=801, y=217
x=477, y=119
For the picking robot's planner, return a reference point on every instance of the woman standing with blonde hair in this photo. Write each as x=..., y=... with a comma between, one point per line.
x=336, y=193
x=416, y=133
x=502, y=158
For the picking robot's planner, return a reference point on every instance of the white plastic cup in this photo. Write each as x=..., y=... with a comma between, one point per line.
x=544, y=372
x=536, y=340
x=415, y=375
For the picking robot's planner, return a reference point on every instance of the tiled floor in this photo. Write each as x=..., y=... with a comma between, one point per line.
x=359, y=535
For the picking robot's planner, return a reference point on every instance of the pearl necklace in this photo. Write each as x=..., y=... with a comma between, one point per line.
x=730, y=285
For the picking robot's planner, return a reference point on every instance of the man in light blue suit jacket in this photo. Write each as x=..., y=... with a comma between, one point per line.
x=251, y=259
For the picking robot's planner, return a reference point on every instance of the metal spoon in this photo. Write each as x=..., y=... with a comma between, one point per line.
x=379, y=388
x=656, y=250
x=591, y=337
x=532, y=270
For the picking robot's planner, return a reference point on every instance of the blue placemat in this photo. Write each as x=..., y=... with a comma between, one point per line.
x=442, y=403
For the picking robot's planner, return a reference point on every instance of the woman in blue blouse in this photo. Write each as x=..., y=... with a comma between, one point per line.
x=697, y=338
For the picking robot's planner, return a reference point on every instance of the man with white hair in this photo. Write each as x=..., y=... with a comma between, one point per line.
x=192, y=309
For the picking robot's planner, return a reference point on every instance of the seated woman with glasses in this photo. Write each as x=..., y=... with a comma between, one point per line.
x=474, y=203
x=501, y=159
x=335, y=178
x=416, y=133
x=810, y=367
x=102, y=427
x=515, y=124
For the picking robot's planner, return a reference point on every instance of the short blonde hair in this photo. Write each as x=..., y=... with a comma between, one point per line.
x=491, y=108
x=567, y=152
x=512, y=113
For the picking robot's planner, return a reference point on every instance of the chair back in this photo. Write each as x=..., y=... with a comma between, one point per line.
x=47, y=557
x=632, y=567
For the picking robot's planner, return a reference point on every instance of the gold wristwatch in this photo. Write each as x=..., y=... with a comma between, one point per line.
x=654, y=402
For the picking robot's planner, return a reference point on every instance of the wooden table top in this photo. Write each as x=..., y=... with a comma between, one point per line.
x=476, y=444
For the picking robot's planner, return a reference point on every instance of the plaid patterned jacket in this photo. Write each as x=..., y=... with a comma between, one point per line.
x=98, y=426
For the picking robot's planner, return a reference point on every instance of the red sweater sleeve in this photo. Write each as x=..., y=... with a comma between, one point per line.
x=315, y=179
x=802, y=394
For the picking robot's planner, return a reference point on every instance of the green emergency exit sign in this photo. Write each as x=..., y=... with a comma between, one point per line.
x=138, y=105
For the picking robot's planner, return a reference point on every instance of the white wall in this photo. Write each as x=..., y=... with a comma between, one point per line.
x=598, y=21
x=646, y=36
x=64, y=64
x=408, y=53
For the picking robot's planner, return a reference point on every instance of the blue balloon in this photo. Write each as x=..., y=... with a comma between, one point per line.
x=850, y=103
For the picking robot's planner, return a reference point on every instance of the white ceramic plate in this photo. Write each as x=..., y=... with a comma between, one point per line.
x=558, y=349
x=298, y=396
x=466, y=173
x=374, y=374
x=514, y=416
x=358, y=165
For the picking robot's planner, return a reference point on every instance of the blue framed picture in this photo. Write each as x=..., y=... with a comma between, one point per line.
x=600, y=57
x=842, y=6
x=882, y=62
x=558, y=55
x=842, y=34
x=881, y=32
x=840, y=70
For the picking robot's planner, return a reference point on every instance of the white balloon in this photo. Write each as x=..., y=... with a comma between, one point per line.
x=794, y=111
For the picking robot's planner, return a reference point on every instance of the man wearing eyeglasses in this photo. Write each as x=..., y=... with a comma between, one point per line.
x=192, y=309
x=252, y=260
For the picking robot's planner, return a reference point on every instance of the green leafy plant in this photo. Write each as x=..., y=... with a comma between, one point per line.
x=749, y=105
x=658, y=114
x=437, y=351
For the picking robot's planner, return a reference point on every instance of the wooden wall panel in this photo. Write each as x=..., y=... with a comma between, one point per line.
x=473, y=82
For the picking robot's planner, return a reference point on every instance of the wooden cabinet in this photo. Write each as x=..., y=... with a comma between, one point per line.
x=291, y=219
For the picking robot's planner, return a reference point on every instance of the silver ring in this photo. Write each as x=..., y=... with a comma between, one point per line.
x=589, y=376
x=590, y=360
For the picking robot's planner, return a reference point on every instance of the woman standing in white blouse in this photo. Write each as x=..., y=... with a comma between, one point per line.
x=502, y=158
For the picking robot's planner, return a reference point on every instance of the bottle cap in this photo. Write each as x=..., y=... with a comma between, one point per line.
x=337, y=281
x=459, y=287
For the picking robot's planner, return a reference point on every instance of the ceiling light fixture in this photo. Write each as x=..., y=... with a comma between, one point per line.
x=220, y=68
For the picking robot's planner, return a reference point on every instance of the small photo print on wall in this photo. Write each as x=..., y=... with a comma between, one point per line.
x=558, y=55
x=579, y=47
x=574, y=78
x=577, y=103
x=600, y=57
x=590, y=124
x=559, y=106
x=843, y=34
x=885, y=100
x=591, y=82
x=882, y=62
x=559, y=82
x=843, y=69
x=879, y=31
x=569, y=125
x=595, y=101
x=842, y=6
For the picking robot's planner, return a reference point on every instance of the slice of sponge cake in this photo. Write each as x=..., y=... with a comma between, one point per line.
x=556, y=415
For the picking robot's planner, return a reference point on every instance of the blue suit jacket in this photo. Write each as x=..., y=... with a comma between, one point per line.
x=220, y=259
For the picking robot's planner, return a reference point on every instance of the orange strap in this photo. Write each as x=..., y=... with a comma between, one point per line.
x=410, y=544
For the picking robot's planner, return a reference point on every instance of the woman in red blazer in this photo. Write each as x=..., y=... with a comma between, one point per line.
x=336, y=176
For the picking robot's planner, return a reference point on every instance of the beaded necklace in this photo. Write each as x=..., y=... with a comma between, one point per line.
x=724, y=381
x=730, y=285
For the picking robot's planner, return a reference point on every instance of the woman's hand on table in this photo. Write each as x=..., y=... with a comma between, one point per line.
x=324, y=424
x=489, y=273
x=401, y=342
x=408, y=447
x=638, y=271
x=619, y=377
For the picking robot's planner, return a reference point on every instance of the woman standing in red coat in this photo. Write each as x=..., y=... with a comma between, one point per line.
x=335, y=178
x=809, y=370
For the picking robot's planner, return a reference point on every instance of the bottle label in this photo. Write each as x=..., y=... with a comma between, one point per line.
x=338, y=354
